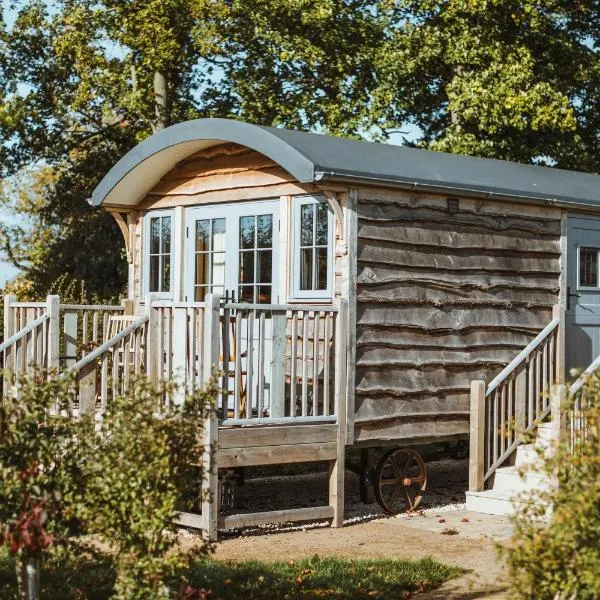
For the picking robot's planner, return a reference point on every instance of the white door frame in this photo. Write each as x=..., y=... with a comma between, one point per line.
x=231, y=213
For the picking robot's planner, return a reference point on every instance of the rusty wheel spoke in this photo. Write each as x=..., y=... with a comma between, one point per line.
x=400, y=480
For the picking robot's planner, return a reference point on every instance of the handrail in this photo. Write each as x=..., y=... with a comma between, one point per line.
x=578, y=383
x=100, y=350
x=322, y=419
x=23, y=332
x=28, y=304
x=282, y=307
x=522, y=356
x=91, y=307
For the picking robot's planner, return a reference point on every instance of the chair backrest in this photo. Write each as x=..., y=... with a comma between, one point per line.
x=118, y=323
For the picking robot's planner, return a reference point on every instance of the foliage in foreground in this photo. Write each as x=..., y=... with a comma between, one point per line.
x=120, y=483
x=87, y=578
x=555, y=551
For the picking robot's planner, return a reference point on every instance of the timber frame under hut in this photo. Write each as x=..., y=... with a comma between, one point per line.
x=348, y=294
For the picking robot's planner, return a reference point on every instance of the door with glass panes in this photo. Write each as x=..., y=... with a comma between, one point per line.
x=230, y=251
x=583, y=292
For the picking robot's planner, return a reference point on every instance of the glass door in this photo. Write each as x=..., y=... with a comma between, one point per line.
x=230, y=252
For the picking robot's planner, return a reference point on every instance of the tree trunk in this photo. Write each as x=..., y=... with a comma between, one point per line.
x=161, y=100
x=28, y=578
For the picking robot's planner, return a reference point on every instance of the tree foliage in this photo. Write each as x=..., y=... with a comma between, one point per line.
x=505, y=79
x=83, y=81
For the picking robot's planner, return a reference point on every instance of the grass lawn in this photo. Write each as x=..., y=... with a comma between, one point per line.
x=323, y=578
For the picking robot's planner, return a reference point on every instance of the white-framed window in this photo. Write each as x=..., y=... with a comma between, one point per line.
x=159, y=249
x=312, y=260
x=589, y=267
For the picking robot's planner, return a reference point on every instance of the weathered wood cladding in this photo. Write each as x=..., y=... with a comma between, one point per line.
x=223, y=173
x=443, y=299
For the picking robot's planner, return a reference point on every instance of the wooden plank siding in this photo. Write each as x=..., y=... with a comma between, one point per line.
x=223, y=173
x=443, y=299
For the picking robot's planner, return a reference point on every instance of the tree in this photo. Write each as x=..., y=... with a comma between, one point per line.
x=84, y=82
x=505, y=79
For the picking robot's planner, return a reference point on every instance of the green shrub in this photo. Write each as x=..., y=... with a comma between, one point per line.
x=119, y=483
x=142, y=475
x=555, y=551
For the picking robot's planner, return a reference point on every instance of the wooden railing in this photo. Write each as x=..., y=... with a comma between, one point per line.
x=107, y=371
x=280, y=362
x=81, y=328
x=275, y=362
x=514, y=402
x=84, y=328
x=34, y=345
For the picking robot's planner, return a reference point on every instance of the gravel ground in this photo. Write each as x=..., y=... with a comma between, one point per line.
x=263, y=491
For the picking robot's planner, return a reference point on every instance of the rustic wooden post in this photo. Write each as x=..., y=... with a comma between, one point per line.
x=152, y=357
x=558, y=312
x=179, y=367
x=70, y=338
x=521, y=402
x=86, y=379
x=557, y=406
x=210, y=475
x=336, y=467
x=477, y=436
x=9, y=331
x=278, y=344
x=53, y=308
x=128, y=306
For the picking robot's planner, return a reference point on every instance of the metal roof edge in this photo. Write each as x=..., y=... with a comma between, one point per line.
x=252, y=136
x=440, y=187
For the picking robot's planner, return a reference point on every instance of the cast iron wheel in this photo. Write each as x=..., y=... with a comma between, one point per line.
x=400, y=480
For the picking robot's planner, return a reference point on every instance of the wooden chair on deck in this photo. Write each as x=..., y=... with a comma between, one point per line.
x=231, y=373
x=117, y=324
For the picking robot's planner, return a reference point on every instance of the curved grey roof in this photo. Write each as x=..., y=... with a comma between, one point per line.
x=311, y=157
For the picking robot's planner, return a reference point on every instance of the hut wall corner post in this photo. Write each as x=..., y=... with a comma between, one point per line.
x=336, y=470
x=477, y=436
x=210, y=479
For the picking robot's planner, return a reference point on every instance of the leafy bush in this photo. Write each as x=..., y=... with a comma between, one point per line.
x=142, y=475
x=555, y=551
x=119, y=483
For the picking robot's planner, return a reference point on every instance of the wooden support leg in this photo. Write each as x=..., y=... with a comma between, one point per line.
x=336, y=488
x=366, y=474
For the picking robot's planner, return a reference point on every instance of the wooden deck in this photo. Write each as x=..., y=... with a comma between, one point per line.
x=281, y=368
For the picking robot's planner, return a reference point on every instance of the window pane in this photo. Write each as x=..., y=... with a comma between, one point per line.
x=246, y=293
x=263, y=294
x=218, y=241
x=321, y=268
x=265, y=231
x=202, y=270
x=247, y=267
x=155, y=235
x=166, y=235
x=199, y=293
x=247, y=232
x=265, y=260
x=218, y=270
x=166, y=274
x=322, y=224
x=202, y=233
x=154, y=270
x=306, y=268
x=588, y=267
x=306, y=224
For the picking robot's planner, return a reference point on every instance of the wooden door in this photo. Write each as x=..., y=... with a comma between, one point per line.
x=583, y=292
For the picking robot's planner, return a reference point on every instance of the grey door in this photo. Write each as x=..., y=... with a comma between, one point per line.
x=583, y=292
